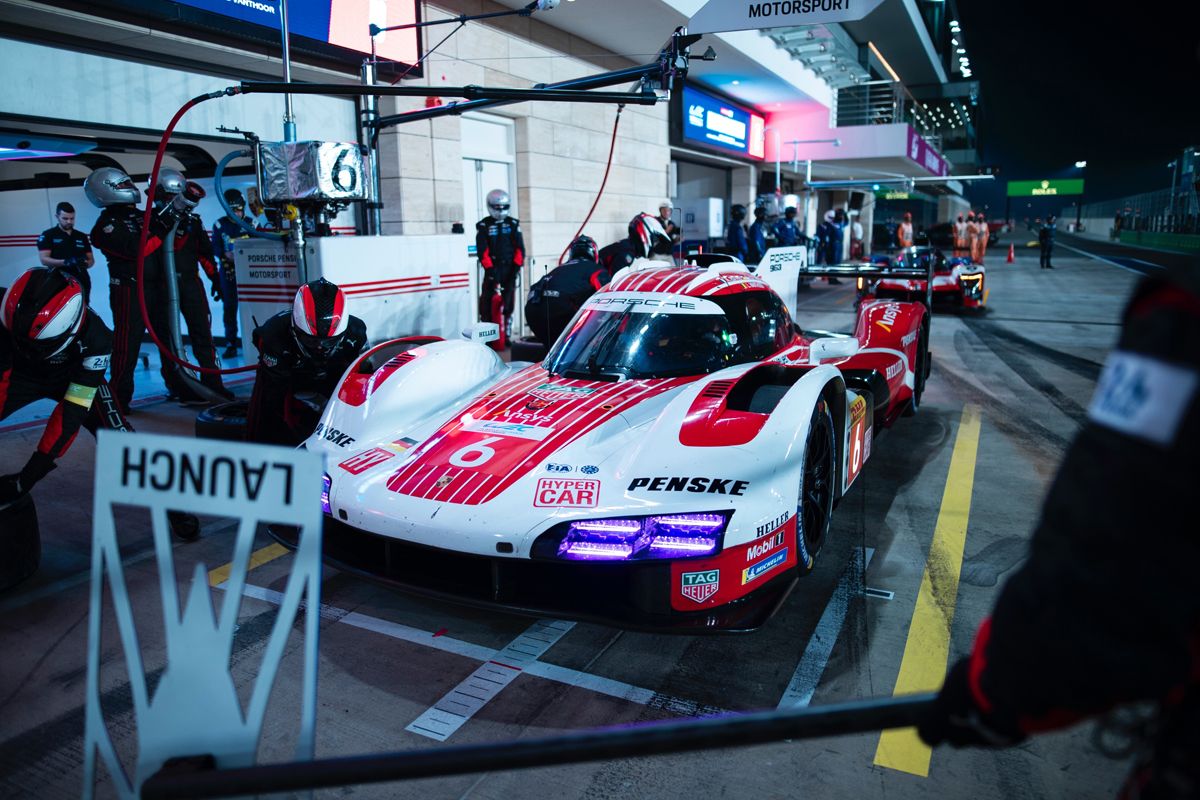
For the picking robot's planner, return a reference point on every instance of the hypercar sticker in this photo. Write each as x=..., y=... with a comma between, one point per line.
x=699, y=586
x=368, y=459
x=566, y=493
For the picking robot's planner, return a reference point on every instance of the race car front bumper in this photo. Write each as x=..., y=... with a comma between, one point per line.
x=628, y=595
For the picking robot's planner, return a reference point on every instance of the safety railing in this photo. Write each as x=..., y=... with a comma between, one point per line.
x=1162, y=211
x=880, y=103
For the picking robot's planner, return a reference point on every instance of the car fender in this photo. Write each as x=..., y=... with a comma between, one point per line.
x=381, y=405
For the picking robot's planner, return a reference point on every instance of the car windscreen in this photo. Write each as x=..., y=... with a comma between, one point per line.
x=623, y=343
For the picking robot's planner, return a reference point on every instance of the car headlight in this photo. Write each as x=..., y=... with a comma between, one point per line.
x=635, y=538
x=326, y=484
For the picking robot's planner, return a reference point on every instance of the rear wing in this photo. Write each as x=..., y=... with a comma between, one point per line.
x=875, y=272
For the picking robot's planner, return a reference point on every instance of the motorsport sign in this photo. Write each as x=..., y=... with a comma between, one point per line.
x=747, y=15
x=1045, y=188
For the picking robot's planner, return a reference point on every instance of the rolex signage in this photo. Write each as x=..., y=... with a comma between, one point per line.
x=1045, y=188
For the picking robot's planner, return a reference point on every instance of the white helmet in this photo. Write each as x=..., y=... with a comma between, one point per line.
x=109, y=186
x=498, y=203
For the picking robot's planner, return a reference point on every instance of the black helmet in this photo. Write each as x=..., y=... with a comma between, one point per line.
x=647, y=233
x=43, y=312
x=234, y=198
x=319, y=317
x=584, y=247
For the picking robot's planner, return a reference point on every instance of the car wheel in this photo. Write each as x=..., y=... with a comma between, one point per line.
x=814, y=510
x=226, y=421
x=920, y=371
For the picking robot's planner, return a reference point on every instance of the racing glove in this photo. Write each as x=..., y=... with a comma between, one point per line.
x=74, y=262
x=216, y=292
x=956, y=719
x=14, y=486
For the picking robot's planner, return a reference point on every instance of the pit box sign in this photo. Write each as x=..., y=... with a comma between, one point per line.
x=747, y=15
x=194, y=706
x=1045, y=188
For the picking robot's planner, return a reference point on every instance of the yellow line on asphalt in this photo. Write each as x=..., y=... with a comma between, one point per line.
x=927, y=650
x=259, y=557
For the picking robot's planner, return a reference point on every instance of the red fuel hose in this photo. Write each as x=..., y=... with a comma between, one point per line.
x=612, y=148
x=141, y=258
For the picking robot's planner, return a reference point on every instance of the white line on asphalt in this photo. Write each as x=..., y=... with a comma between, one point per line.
x=538, y=669
x=803, y=685
x=1105, y=260
x=479, y=688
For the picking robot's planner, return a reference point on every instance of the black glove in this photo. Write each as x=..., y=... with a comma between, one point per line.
x=955, y=718
x=163, y=219
x=216, y=292
x=74, y=262
x=14, y=486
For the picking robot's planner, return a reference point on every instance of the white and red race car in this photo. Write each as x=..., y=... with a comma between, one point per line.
x=956, y=281
x=672, y=464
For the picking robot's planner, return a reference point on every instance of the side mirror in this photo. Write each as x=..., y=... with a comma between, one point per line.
x=822, y=349
x=482, y=332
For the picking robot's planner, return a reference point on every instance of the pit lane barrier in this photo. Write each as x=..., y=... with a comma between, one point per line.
x=194, y=777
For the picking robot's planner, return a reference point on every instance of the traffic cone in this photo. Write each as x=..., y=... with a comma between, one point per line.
x=1010, y=254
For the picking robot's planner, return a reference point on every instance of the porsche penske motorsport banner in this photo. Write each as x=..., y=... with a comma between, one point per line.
x=745, y=15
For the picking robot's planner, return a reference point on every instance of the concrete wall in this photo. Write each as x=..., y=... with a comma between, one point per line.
x=561, y=149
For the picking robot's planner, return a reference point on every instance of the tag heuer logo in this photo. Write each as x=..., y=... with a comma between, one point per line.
x=699, y=586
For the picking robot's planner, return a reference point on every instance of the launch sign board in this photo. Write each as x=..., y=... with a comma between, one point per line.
x=747, y=15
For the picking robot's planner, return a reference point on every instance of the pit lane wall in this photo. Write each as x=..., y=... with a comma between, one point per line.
x=398, y=285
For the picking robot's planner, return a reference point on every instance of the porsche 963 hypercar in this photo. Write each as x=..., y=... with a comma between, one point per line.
x=672, y=464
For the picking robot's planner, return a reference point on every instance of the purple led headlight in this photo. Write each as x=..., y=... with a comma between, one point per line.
x=667, y=536
x=326, y=483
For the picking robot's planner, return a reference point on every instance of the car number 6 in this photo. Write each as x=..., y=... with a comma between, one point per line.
x=466, y=457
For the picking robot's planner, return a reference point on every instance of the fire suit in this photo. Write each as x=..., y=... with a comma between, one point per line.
x=1105, y=610
x=276, y=415
x=554, y=299
x=193, y=249
x=75, y=379
x=501, y=251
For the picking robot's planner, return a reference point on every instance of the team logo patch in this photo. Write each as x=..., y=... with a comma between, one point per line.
x=566, y=493
x=515, y=429
x=549, y=392
x=756, y=571
x=369, y=459
x=700, y=586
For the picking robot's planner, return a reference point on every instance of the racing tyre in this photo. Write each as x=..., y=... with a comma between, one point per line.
x=814, y=509
x=226, y=421
x=527, y=348
x=920, y=370
x=20, y=542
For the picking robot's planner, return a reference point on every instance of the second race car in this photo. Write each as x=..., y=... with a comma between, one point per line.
x=956, y=281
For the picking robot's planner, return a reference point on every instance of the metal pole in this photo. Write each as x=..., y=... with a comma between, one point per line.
x=807, y=192
x=778, y=155
x=1174, y=179
x=289, y=116
x=370, y=115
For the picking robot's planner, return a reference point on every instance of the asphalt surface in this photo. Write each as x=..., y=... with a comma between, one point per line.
x=1024, y=370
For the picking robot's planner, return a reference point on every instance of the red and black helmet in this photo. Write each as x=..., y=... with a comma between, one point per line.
x=43, y=312
x=319, y=317
x=585, y=247
x=646, y=232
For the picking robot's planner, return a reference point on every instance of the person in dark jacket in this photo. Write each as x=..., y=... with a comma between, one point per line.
x=225, y=232
x=67, y=249
x=1094, y=619
x=787, y=230
x=1046, y=241
x=735, y=233
x=500, y=247
x=116, y=234
x=304, y=351
x=554, y=300
x=757, y=237
x=60, y=356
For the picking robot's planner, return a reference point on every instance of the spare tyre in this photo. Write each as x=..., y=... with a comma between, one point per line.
x=527, y=348
x=20, y=542
x=225, y=421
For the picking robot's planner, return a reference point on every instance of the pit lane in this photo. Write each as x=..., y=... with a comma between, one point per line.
x=388, y=660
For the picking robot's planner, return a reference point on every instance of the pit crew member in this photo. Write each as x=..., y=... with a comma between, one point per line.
x=67, y=249
x=501, y=250
x=555, y=299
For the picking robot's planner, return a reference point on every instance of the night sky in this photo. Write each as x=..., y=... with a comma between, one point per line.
x=1116, y=85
